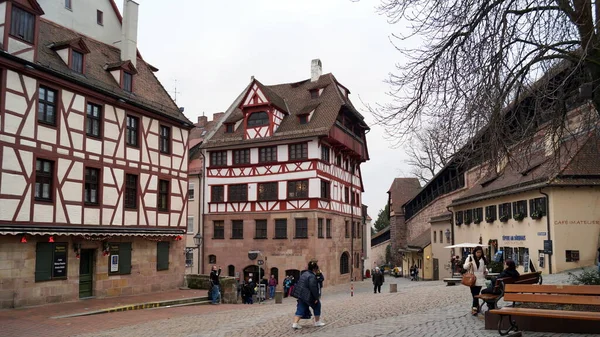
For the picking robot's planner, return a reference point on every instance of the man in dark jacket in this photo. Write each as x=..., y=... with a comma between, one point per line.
x=378, y=280
x=307, y=293
x=215, y=284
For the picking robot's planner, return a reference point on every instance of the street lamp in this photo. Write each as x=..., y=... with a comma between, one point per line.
x=198, y=243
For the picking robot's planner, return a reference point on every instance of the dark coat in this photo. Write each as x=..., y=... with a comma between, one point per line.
x=214, y=277
x=509, y=273
x=307, y=288
x=378, y=278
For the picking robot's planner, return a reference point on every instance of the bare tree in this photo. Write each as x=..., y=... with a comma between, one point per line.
x=431, y=149
x=497, y=69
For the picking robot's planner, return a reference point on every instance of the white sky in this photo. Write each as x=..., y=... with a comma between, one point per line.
x=212, y=48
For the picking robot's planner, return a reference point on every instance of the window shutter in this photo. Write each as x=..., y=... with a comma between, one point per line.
x=125, y=258
x=162, y=255
x=43, y=261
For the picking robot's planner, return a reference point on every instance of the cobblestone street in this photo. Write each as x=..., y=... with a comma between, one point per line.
x=417, y=309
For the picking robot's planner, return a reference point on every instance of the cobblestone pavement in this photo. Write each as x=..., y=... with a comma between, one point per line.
x=417, y=309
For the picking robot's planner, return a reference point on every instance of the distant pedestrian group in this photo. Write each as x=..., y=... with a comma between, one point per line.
x=414, y=273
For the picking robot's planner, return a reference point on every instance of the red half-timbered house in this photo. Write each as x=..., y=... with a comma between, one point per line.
x=93, y=175
x=283, y=182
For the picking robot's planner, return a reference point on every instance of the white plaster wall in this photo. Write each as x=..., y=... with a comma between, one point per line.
x=64, y=54
x=2, y=13
x=15, y=103
x=313, y=150
x=43, y=213
x=15, y=45
x=314, y=188
x=131, y=218
x=282, y=153
x=72, y=191
x=93, y=145
x=163, y=219
x=260, y=179
x=47, y=134
x=91, y=216
x=252, y=192
x=133, y=154
x=282, y=190
x=254, y=156
x=83, y=18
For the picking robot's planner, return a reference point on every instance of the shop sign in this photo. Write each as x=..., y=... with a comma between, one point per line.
x=542, y=234
x=513, y=237
x=59, y=267
x=577, y=222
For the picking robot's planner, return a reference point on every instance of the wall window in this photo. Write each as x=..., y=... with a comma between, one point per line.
x=346, y=229
x=51, y=261
x=468, y=216
x=297, y=189
x=163, y=195
x=328, y=228
x=217, y=193
x=94, y=120
x=189, y=257
x=191, y=191
x=519, y=209
x=325, y=189
x=268, y=191
x=345, y=263
x=572, y=255
x=320, y=228
x=212, y=259
x=325, y=153
x=68, y=4
x=267, y=154
x=43, y=179
x=119, y=258
x=22, y=24
x=338, y=160
x=258, y=119
x=537, y=207
x=477, y=215
x=190, y=224
x=133, y=124
x=441, y=237
x=490, y=213
x=241, y=156
x=458, y=218
x=162, y=255
x=231, y=270
x=237, y=229
x=301, y=228
x=237, y=193
x=219, y=229
x=504, y=212
x=218, y=158
x=298, y=151
x=261, y=229
x=280, y=228
x=346, y=194
x=127, y=81
x=77, y=61
x=131, y=188
x=47, y=105
x=99, y=17
x=434, y=237
x=165, y=139
x=92, y=181
x=358, y=230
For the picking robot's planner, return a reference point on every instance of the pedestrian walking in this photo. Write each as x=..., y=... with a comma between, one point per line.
x=215, y=284
x=287, y=283
x=306, y=290
x=248, y=292
x=378, y=280
x=476, y=264
x=272, y=285
x=416, y=272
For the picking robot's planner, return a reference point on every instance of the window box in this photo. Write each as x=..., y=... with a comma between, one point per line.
x=519, y=216
x=537, y=214
x=504, y=218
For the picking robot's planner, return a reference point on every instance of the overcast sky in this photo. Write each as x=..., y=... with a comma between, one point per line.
x=212, y=48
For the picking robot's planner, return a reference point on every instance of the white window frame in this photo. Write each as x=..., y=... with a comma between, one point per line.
x=190, y=217
x=191, y=188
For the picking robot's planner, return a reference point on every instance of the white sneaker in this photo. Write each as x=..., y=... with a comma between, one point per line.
x=296, y=326
x=319, y=323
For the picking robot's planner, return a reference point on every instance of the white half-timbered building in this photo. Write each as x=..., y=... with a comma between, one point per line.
x=93, y=175
x=283, y=178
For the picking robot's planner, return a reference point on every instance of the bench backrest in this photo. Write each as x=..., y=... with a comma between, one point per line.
x=528, y=278
x=556, y=294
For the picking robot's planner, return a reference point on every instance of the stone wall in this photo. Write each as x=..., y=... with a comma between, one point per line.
x=228, y=286
x=17, y=271
x=378, y=254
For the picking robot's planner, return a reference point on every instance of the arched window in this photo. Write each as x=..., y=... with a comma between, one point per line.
x=344, y=263
x=275, y=272
x=212, y=259
x=231, y=270
x=258, y=119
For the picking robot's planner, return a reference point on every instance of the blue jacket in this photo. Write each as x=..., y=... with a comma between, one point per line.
x=307, y=288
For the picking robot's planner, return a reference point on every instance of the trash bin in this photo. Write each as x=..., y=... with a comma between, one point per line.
x=278, y=297
x=393, y=287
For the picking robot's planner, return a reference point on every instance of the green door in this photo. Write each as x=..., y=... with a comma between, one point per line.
x=86, y=273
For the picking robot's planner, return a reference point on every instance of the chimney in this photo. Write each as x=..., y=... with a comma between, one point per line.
x=202, y=120
x=218, y=115
x=316, y=70
x=129, y=31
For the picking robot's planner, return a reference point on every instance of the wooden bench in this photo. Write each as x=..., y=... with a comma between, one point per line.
x=492, y=299
x=554, y=294
x=450, y=281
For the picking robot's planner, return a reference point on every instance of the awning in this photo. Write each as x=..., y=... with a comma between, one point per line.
x=464, y=245
x=89, y=231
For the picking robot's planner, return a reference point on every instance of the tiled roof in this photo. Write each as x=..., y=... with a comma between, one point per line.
x=148, y=91
x=402, y=190
x=296, y=99
x=421, y=241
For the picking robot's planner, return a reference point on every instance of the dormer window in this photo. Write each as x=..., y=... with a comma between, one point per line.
x=260, y=118
x=22, y=24
x=303, y=119
x=77, y=61
x=314, y=93
x=228, y=128
x=127, y=81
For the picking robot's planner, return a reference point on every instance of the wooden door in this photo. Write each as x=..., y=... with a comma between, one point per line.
x=86, y=273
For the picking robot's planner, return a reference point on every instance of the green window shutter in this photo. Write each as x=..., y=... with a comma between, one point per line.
x=162, y=255
x=43, y=261
x=125, y=258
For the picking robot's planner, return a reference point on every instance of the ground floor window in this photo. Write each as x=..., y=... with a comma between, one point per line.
x=119, y=258
x=344, y=263
x=162, y=255
x=50, y=261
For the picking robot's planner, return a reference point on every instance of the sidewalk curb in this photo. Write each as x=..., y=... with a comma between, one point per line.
x=141, y=306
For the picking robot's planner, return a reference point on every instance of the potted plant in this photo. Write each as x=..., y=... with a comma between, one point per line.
x=504, y=218
x=489, y=219
x=519, y=216
x=476, y=220
x=537, y=214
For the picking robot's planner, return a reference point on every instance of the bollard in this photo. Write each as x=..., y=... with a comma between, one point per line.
x=351, y=289
x=278, y=297
x=393, y=287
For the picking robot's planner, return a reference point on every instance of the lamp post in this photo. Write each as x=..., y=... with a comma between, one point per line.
x=198, y=243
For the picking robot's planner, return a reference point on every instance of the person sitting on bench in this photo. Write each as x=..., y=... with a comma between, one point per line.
x=510, y=271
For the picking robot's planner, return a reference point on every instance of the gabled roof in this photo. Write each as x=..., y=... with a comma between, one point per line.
x=77, y=43
x=149, y=92
x=421, y=241
x=296, y=99
x=402, y=190
x=32, y=5
x=125, y=65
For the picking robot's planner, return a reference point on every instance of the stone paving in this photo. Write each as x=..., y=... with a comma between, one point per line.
x=417, y=309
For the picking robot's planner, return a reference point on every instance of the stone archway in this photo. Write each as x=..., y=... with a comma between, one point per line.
x=253, y=269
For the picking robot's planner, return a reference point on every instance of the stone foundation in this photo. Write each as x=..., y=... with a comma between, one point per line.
x=228, y=286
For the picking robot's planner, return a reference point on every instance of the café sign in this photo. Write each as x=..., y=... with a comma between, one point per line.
x=513, y=237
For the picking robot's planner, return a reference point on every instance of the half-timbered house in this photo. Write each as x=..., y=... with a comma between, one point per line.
x=93, y=176
x=283, y=181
